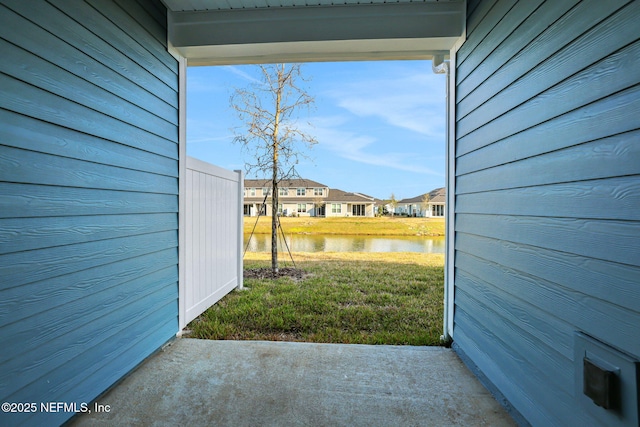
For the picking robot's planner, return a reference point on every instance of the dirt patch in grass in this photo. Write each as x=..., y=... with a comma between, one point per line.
x=267, y=273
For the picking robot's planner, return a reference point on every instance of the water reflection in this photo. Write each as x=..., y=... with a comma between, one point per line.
x=333, y=243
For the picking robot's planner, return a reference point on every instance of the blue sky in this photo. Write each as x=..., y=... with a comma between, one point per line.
x=380, y=126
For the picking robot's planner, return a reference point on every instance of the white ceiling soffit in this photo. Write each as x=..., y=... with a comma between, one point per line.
x=215, y=32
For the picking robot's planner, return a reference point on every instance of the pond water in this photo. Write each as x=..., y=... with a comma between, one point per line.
x=338, y=243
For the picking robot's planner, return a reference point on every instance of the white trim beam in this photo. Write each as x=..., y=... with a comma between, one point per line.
x=182, y=189
x=317, y=33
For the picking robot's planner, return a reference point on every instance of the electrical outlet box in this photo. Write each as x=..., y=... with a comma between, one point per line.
x=600, y=384
x=606, y=382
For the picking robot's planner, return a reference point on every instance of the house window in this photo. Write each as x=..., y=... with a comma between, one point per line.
x=266, y=191
x=250, y=191
x=283, y=191
x=247, y=210
x=302, y=207
x=437, y=210
x=301, y=192
x=280, y=208
x=318, y=191
x=336, y=208
x=358, y=210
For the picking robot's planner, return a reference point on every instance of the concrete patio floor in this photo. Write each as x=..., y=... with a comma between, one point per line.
x=254, y=383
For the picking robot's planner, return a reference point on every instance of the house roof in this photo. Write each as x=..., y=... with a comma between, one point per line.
x=438, y=195
x=289, y=183
x=336, y=195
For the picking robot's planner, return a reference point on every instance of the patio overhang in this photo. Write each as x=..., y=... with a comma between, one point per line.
x=210, y=34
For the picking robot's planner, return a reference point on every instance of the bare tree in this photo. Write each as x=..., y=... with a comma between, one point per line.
x=425, y=203
x=394, y=204
x=271, y=132
x=318, y=204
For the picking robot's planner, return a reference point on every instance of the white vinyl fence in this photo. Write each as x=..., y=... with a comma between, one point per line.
x=213, y=236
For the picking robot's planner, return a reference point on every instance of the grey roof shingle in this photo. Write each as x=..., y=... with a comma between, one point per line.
x=439, y=195
x=336, y=195
x=289, y=183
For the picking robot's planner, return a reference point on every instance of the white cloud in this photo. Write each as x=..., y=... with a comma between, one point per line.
x=359, y=148
x=204, y=81
x=409, y=101
x=242, y=74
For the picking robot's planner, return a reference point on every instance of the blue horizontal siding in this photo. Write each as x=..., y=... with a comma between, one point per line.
x=55, y=109
x=547, y=229
x=20, y=268
x=18, y=303
x=578, y=308
x=30, y=167
x=152, y=20
x=587, y=161
x=510, y=18
x=156, y=11
x=478, y=295
x=609, y=116
x=557, y=371
x=53, y=79
x=489, y=13
x=614, y=115
x=24, y=200
x=587, y=86
x=88, y=197
x=515, y=378
x=127, y=352
x=109, y=44
x=614, y=241
x=608, y=281
x=24, y=132
x=619, y=199
x=595, y=82
x=113, y=68
x=552, y=44
x=476, y=11
x=23, y=234
x=538, y=21
x=136, y=35
x=69, y=338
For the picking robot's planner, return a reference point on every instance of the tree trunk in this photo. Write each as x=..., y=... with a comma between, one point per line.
x=274, y=221
x=274, y=176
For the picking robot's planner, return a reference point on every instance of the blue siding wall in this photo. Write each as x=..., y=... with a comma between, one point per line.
x=88, y=197
x=547, y=213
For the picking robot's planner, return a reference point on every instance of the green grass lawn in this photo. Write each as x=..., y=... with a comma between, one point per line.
x=359, y=298
x=383, y=226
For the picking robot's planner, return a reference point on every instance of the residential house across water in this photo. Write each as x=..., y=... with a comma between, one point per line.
x=430, y=204
x=304, y=197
